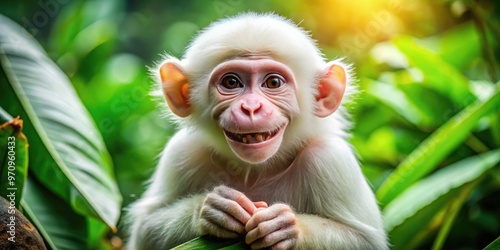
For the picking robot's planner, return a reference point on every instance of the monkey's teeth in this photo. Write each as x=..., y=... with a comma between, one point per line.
x=259, y=138
x=252, y=137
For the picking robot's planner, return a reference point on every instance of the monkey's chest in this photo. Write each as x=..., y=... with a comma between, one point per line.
x=273, y=191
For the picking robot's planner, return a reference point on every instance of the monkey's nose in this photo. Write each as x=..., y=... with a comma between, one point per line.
x=251, y=107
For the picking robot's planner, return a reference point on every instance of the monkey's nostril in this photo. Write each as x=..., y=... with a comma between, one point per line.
x=250, y=109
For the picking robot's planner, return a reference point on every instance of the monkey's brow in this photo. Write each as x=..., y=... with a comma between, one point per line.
x=256, y=54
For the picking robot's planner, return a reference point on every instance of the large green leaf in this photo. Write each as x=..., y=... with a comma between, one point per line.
x=411, y=212
x=58, y=224
x=13, y=157
x=396, y=100
x=435, y=148
x=495, y=245
x=438, y=74
x=460, y=45
x=67, y=153
x=211, y=243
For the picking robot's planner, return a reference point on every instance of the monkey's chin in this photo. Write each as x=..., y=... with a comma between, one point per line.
x=255, y=148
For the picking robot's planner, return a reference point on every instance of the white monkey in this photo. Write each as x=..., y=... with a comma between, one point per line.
x=261, y=152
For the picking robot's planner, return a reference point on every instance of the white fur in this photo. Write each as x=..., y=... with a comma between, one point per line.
x=315, y=171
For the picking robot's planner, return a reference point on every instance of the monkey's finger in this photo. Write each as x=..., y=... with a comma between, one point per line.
x=221, y=219
x=267, y=214
x=236, y=196
x=268, y=227
x=229, y=207
x=260, y=204
x=246, y=203
x=284, y=244
x=261, y=231
x=210, y=228
x=285, y=236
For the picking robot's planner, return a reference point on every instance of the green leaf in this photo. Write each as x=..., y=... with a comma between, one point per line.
x=14, y=158
x=96, y=230
x=56, y=221
x=212, y=243
x=396, y=100
x=92, y=23
x=68, y=154
x=451, y=213
x=426, y=157
x=495, y=245
x=238, y=246
x=432, y=105
x=460, y=45
x=438, y=74
x=412, y=211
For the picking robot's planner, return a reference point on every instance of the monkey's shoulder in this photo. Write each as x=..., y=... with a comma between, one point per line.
x=329, y=149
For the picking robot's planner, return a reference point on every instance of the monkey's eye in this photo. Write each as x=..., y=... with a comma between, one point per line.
x=273, y=83
x=231, y=82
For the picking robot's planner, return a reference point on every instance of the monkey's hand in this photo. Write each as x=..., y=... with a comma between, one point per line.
x=274, y=227
x=225, y=212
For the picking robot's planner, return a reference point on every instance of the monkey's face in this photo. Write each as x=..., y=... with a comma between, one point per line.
x=253, y=102
x=256, y=100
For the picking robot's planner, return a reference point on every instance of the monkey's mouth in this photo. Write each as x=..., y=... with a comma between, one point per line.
x=251, y=138
x=255, y=147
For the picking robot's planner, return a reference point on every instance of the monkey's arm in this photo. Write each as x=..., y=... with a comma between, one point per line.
x=165, y=215
x=168, y=226
x=324, y=233
x=279, y=227
x=337, y=209
x=345, y=212
x=178, y=205
x=221, y=212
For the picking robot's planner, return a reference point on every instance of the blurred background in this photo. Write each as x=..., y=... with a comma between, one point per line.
x=418, y=64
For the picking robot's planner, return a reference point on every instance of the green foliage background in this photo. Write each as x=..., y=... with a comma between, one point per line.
x=428, y=74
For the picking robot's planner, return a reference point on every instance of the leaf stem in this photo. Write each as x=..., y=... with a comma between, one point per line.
x=475, y=144
x=451, y=213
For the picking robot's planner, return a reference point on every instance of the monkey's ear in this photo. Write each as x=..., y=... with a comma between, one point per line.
x=175, y=88
x=331, y=89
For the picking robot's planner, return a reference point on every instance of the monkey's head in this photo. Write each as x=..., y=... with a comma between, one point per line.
x=257, y=84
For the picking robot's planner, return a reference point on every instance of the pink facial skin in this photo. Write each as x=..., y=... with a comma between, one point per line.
x=256, y=100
